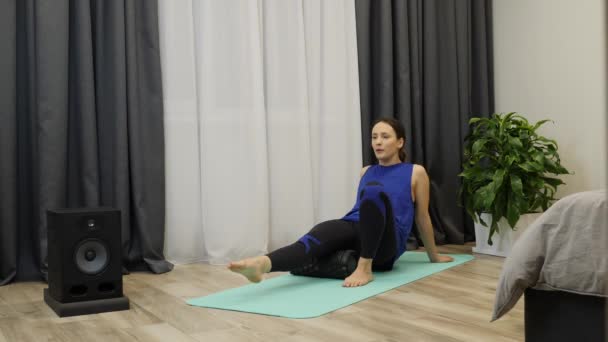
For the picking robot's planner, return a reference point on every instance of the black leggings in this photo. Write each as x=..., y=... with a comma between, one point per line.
x=373, y=236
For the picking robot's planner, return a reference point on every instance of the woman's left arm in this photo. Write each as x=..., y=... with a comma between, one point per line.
x=421, y=185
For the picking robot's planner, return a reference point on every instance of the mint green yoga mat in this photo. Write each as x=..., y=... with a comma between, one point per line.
x=305, y=297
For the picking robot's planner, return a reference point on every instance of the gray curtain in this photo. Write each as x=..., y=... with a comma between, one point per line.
x=81, y=125
x=428, y=63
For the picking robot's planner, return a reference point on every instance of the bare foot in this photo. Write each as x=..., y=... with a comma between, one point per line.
x=252, y=268
x=359, y=277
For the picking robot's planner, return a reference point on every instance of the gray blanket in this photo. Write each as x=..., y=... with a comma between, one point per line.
x=565, y=249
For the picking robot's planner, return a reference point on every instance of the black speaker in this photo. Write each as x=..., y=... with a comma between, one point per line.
x=85, y=261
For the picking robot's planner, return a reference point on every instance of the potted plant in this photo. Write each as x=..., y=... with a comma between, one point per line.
x=505, y=172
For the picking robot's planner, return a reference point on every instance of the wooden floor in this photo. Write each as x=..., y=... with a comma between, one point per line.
x=453, y=305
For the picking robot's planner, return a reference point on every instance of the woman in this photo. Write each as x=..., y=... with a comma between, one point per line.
x=390, y=195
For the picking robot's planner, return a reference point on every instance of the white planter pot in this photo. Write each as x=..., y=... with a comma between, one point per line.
x=503, y=240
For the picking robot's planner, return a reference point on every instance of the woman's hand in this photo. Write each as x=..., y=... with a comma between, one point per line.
x=442, y=258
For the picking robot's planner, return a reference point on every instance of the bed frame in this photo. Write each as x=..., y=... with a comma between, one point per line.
x=562, y=316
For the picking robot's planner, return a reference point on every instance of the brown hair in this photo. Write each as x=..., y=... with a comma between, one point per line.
x=399, y=131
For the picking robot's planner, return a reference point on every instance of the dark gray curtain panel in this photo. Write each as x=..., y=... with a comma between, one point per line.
x=81, y=125
x=428, y=63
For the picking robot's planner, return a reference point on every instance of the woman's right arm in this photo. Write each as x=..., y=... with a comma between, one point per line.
x=363, y=170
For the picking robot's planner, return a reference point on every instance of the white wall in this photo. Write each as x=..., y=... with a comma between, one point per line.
x=550, y=63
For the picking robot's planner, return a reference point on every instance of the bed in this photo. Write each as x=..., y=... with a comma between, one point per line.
x=560, y=266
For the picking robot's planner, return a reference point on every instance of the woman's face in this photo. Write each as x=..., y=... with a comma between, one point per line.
x=385, y=143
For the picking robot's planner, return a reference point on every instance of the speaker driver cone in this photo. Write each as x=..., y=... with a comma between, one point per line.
x=91, y=256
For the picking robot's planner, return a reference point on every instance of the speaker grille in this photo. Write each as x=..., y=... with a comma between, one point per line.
x=91, y=256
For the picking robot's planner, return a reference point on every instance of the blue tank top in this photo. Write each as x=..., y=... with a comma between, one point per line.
x=397, y=183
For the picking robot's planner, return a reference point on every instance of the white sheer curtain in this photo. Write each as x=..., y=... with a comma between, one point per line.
x=262, y=123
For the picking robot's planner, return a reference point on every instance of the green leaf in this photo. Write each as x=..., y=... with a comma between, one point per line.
x=549, y=141
x=539, y=158
x=498, y=178
x=526, y=167
x=516, y=185
x=537, y=203
x=513, y=210
x=474, y=120
x=553, y=182
x=554, y=167
x=507, y=117
x=539, y=123
x=531, y=166
x=472, y=173
x=478, y=145
x=562, y=170
x=485, y=196
x=493, y=229
x=481, y=220
x=469, y=207
x=515, y=141
x=500, y=203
